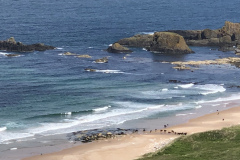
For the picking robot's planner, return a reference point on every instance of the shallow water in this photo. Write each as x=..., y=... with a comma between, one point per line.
x=44, y=93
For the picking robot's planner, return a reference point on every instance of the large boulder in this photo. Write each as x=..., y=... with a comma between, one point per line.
x=137, y=41
x=168, y=42
x=117, y=48
x=13, y=46
x=208, y=34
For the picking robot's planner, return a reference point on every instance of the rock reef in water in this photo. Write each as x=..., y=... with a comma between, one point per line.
x=142, y=41
x=77, y=55
x=167, y=42
x=12, y=46
x=117, y=48
x=226, y=38
x=230, y=60
x=102, y=60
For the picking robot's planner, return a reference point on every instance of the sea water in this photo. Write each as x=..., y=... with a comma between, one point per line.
x=48, y=93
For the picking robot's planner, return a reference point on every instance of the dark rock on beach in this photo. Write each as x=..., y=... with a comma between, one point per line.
x=99, y=134
x=117, y=48
x=167, y=42
x=13, y=46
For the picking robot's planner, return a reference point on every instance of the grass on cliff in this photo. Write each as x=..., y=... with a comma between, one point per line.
x=220, y=144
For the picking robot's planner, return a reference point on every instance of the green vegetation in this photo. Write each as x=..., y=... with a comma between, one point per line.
x=220, y=144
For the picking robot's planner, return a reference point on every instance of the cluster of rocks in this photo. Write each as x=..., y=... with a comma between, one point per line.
x=164, y=42
x=99, y=134
x=230, y=60
x=12, y=46
x=76, y=55
x=226, y=38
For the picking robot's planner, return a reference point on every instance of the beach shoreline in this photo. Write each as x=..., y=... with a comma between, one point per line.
x=135, y=145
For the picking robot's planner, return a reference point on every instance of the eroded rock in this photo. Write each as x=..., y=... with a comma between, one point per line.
x=102, y=60
x=143, y=41
x=168, y=42
x=230, y=60
x=13, y=46
x=117, y=48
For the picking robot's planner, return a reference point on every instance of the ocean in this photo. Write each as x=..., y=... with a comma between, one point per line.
x=47, y=93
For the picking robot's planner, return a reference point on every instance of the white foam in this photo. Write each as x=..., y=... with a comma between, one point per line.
x=144, y=49
x=90, y=47
x=13, y=149
x=110, y=45
x=164, y=89
x=199, y=106
x=109, y=71
x=2, y=53
x=101, y=109
x=59, y=48
x=67, y=113
x=210, y=88
x=149, y=33
x=3, y=129
x=186, y=85
x=185, y=114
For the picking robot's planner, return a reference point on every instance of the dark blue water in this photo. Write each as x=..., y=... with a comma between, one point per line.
x=43, y=93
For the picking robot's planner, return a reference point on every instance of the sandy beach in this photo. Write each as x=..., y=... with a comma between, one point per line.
x=134, y=146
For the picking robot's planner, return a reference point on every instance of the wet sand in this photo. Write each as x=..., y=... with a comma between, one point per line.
x=134, y=146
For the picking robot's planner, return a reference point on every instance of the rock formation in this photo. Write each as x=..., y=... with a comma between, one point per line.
x=102, y=60
x=167, y=42
x=137, y=41
x=117, y=48
x=12, y=55
x=13, y=46
x=225, y=38
x=230, y=60
x=84, y=56
x=69, y=54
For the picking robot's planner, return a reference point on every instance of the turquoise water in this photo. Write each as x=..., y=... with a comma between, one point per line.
x=44, y=93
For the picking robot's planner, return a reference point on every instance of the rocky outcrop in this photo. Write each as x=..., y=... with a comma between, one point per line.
x=142, y=41
x=167, y=42
x=225, y=38
x=230, y=60
x=12, y=55
x=84, y=56
x=102, y=60
x=100, y=134
x=69, y=54
x=13, y=46
x=117, y=48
